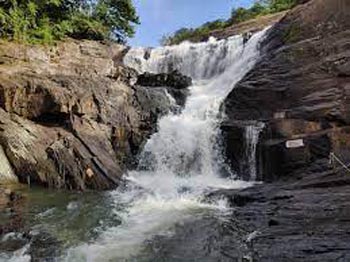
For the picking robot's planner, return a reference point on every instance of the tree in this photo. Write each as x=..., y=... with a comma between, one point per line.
x=117, y=15
x=49, y=20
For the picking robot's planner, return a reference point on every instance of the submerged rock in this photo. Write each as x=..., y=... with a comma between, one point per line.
x=10, y=211
x=36, y=246
x=44, y=247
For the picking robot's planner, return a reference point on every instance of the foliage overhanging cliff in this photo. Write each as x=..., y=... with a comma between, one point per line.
x=45, y=21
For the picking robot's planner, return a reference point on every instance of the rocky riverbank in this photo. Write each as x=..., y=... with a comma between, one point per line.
x=10, y=209
x=299, y=90
x=72, y=116
x=300, y=221
x=297, y=100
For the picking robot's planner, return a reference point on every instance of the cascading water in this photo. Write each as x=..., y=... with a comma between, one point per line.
x=252, y=133
x=181, y=160
x=200, y=61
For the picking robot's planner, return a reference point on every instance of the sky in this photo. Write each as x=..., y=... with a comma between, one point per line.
x=163, y=17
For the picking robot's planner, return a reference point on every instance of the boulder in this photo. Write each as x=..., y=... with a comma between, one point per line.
x=71, y=116
x=175, y=83
x=173, y=79
x=300, y=90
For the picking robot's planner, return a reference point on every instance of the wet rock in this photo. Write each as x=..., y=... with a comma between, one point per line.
x=44, y=247
x=173, y=79
x=299, y=89
x=300, y=220
x=175, y=83
x=8, y=197
x=13, y=241
x=4, y=198
x=235, y=197
x=39, y=246
x=208, y=239
x=10, y=212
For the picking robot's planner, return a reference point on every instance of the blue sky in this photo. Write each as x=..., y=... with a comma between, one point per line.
x=161, y=17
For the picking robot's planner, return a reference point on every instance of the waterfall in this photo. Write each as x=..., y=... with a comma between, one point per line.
x=252, y=133
x=200, y=61
x=179, y=163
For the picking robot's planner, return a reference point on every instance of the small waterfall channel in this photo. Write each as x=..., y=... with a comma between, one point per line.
x=182, y=160
x=252, y=133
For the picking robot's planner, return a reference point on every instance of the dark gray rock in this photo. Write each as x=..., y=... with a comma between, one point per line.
x=173, y=79
x=299, y=89
x=44, y=247
x=11, y=221
x=175, y=83
x=305, y=220
x=300, y=220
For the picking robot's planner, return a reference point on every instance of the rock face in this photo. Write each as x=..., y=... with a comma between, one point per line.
x=300, y=90
x=175, y=79
x=175, y=82
x=71, y=115
x=303, y=221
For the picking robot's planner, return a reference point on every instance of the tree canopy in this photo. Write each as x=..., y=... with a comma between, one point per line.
x=238, y=15
x=45, y=21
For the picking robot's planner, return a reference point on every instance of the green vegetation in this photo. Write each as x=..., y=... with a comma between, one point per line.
x=259, y=8
x=44, y=21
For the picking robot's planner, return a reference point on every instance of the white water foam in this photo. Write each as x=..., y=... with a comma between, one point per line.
x=17, y=256
x=181, y=158
x=252, y=133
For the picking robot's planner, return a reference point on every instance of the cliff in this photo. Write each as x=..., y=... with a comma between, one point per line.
x=300, y=91
x=295, y=101
x=71, y=115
